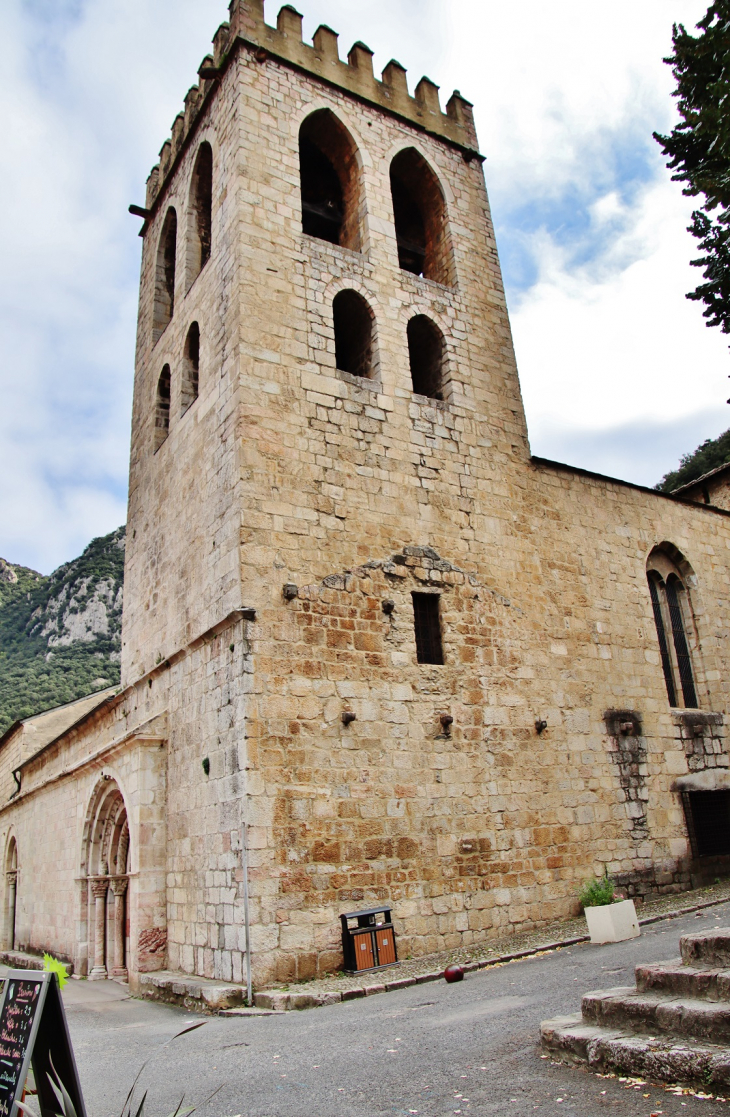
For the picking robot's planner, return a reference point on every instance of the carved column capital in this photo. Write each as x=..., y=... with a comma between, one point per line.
x=119, y=885
x=99, y=888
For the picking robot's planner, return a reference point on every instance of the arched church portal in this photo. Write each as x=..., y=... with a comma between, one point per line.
x=106, y=869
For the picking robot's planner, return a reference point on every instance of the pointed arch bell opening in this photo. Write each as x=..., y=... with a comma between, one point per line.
x=329, y=167
x=165, y=266
x=200, y=214
x=419, y=212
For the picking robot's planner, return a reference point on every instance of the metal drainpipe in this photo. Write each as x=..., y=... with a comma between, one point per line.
x=246, y=920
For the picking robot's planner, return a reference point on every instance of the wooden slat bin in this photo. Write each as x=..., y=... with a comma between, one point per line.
x=368, y=940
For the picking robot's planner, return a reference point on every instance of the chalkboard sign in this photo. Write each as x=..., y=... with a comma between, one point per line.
x=33, y=1030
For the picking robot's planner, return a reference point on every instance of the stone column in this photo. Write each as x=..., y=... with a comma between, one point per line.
x=12, y=882
x=99, y=890
x=119, y=888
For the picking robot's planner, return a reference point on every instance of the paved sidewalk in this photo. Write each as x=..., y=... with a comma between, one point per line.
x=465, y=1050
x=340, y=986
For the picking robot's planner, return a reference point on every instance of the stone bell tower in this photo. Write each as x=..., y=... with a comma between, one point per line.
x=235, y=483
x=325, y=380
x=374, y=654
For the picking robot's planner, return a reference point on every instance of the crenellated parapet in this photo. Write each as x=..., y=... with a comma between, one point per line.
x=247, y=30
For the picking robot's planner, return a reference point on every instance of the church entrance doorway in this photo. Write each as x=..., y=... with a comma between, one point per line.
x=106, y=868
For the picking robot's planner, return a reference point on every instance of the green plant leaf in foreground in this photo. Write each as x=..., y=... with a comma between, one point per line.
x=68, y=1108
x=127, y=1107
x=27, y=1109
x=52, y=965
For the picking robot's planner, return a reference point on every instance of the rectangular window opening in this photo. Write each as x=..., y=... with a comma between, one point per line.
x=427, y=621
x=708, y=822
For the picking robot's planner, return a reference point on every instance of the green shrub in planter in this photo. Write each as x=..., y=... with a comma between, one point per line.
x=597, y=893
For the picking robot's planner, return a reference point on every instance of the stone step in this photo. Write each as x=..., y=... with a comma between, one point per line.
x=571, y=1039
x=199, y=993
x=677, y=979
x=17, y=960
x=707, y=948
x=682, y=1017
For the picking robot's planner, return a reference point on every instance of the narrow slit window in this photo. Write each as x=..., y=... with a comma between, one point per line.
x=662, y=639
x=674, y=589
x=330, y=180
x=427, y=622
x=162, y=411
x=426, y=352
x=164, y=305
x=673, y=618
x=353, y=322
x=419, y=212
x=201, y=213
x=191, y=369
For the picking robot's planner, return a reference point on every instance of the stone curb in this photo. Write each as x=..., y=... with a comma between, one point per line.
x=197, y=993
x=279, y=1001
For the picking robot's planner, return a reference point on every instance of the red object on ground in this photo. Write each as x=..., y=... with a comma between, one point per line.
x=453, y=973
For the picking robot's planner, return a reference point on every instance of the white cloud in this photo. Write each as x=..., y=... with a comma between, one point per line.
x=556, y=86
x=592, y=229
x=615, y=339
x=566, y=98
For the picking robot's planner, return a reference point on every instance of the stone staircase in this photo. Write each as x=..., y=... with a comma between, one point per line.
x=673, y=1026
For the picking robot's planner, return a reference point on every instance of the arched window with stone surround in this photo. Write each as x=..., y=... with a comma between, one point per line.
x=164, y=305
x=200, y=214
x=329, y=167
x=354, y=328
x=674, y=623
x=427, y=356
x=105, y=871
x=190, y=369
x=421, y=225
x=162, y=407
x=11, y=892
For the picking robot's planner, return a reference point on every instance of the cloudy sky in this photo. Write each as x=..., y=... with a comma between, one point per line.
x=619, y=372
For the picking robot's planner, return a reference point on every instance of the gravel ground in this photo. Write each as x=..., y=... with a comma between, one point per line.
x=537, y=939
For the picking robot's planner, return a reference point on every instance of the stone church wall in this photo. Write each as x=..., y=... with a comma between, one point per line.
x=487, y=825
x=173, y=745
x=275, y=540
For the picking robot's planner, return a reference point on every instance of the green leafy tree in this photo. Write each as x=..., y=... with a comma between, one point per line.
x=699, y=150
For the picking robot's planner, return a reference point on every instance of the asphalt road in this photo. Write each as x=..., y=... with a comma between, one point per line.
x=432, y=1050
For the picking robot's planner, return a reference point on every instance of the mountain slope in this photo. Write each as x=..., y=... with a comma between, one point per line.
x=709, y=455
x=60, y=636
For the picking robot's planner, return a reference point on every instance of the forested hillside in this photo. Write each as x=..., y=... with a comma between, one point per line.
x=712, y=453
x=61, y=635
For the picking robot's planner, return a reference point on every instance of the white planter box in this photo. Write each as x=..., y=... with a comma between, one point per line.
x=613, y=922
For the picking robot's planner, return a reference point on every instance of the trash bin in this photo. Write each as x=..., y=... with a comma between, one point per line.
x=368, y=940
